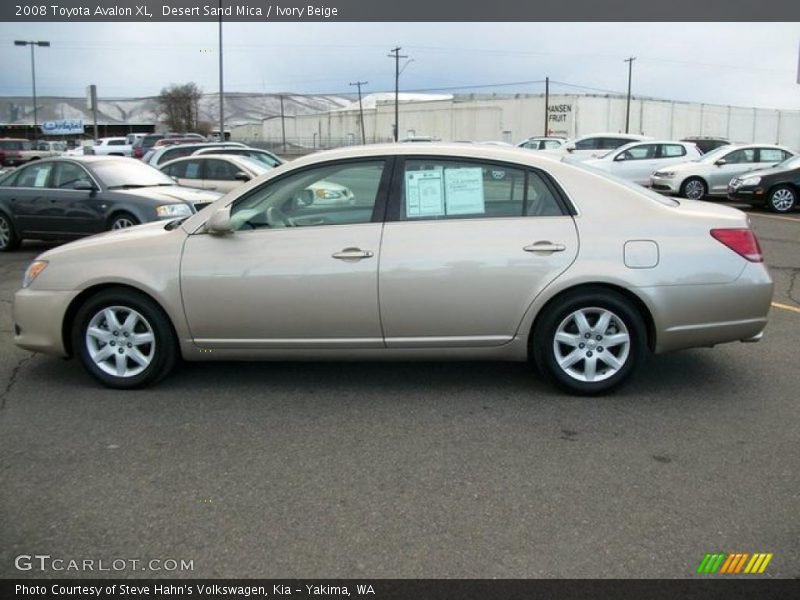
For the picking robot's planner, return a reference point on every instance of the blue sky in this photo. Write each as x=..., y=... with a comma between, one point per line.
x=745, y=64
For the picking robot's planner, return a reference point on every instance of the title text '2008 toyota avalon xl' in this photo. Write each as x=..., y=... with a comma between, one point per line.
x=442, y=252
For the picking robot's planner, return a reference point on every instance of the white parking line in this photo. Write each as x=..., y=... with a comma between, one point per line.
x=786, y=307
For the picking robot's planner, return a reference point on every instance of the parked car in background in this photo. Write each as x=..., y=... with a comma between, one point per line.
x=450, y=262
x=109, y=146
x=218, y=172
x=163, y=154
x=543, y=143
x=706, y=144
x=777, y=188
x=132, y=138
x=637, y=161
x=15, y=151
x=263, y=156
x=595, y=145
x=710, y=175
x=143, y=146
x=63, y=198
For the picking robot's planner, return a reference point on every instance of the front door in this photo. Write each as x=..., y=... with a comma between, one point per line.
x=300, y=269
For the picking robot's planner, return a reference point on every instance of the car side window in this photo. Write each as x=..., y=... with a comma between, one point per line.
x=551, y=144
x=745, y=155
x=670, y=150
x=771, y=155
x=116, y=142
x=331, y=194
x=643, y=152
x=612, y=143
x=220, y=170
x=67, y=174
x=532, y=145
x=34, y=176
x=540, y=200
x=587, y=144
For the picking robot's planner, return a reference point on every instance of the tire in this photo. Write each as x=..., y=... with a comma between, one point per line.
x=122, y=220
x=560, y=332
x=694, y=188
x=9, y=240
x=782, y=199
x=144, y=361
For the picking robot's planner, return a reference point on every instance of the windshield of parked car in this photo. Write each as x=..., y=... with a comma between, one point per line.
x=129, y=173
x=790, y=163
x=255, y=165
x=715, y=154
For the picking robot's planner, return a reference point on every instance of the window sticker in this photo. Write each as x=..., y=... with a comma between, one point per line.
x=192, y=171
x=425, y=193
x=41, y=177
x=464, y=191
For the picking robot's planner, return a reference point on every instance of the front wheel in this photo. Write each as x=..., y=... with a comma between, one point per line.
x=590, y=341
x=782, y=199
x=122, y=221
x=694, y=188
x=124, y=339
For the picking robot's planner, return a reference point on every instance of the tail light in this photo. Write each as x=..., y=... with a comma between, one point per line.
x=742, y=241
x=138, y=152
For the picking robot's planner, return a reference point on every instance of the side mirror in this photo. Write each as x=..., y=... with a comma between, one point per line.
x=721, y=162
x=570, y=148
x=620, y=157
x=241, y=176
x=305, y=198
x=84, y=185
x=220, y=222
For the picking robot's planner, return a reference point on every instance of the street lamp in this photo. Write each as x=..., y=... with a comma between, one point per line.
x=33, y=77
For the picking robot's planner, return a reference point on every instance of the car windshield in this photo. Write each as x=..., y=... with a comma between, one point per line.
x=127, y=173
x=790, y=163
x=255, y=165
x=715, y=154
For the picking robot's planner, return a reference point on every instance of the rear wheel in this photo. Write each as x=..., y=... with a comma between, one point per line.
x=124, y=339
x=782, y=199
x=590, y=341
x=122, y=221
x=694, y=188
x=8, y=236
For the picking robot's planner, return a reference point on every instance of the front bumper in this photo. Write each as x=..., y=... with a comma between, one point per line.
x=665, y=185
x=750, y=194
x=38, y=317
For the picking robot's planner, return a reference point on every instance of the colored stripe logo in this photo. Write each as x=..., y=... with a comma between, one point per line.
x=734, y=563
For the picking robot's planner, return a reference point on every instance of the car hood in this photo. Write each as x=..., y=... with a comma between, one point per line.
x=767, y=172
x=134, y=234
x=175, y=193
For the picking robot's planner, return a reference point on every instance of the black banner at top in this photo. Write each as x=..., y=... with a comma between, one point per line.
x=406, y=11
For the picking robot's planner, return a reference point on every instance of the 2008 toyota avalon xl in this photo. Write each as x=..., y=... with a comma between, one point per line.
x=442, y=252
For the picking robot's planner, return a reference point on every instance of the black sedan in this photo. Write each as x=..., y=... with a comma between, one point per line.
x=71, y=197
x=776, y=188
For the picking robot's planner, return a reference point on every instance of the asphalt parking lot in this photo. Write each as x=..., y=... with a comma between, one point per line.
x=409, y=470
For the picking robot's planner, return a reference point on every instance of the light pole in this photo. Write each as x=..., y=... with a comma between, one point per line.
x=628, y=104
x=361, y=111
x=33, y=77
x=395, y=54
x=221, y=106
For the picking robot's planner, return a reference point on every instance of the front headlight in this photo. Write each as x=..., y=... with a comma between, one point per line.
x=747, y=181
x=33, y=271
x=171, y=211
x=665, y=174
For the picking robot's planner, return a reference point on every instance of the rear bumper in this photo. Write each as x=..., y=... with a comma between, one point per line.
x=690, y=316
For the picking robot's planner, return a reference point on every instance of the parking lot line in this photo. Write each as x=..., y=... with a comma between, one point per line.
x=786, y=307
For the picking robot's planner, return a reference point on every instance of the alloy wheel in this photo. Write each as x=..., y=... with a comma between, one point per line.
x=782, y=200
x=120, y=341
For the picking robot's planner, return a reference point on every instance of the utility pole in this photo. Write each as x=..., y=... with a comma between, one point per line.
x=283, y=127
x=395, y=53
x=628, y=106
x=361, y=110
x=546, y=104
x=221, y=107
x=33, y=79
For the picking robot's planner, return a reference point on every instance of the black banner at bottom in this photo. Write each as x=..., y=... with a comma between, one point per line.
x=398, y=589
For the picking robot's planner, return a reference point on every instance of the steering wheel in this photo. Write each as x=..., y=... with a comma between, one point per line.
x=277, y=218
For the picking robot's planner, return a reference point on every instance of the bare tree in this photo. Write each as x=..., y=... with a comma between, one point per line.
x=178, y=106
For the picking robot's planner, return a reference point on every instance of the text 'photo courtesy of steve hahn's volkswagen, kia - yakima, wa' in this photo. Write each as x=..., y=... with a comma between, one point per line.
x=440, y=251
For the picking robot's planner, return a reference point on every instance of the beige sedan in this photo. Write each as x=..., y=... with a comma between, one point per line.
x=436, y=257
x=217, y=172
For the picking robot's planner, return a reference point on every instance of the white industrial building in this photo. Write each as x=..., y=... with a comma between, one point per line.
x=513, y=117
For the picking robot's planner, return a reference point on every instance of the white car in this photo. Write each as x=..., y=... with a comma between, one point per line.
x=542, y=143
x=637, y=161
x=110, y=146
x=595, y=145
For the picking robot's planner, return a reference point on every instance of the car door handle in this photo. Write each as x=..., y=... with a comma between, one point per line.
x=545, y=247
x=352, y=254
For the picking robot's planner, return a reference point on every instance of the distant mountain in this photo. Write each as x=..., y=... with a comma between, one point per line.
x=240, y=108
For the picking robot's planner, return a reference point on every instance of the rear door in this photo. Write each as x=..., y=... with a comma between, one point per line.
x=466, y=248
x=769, y=157
x=37, y=208
x=220, y=175
x=188, y=173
